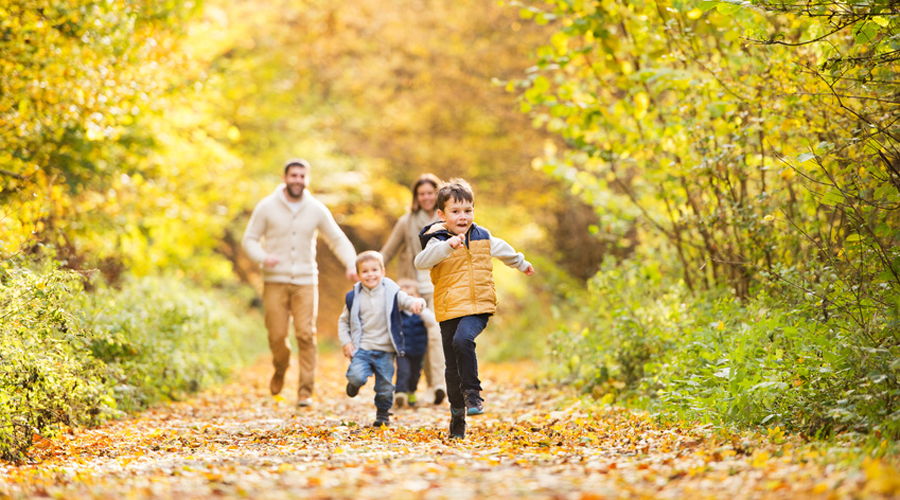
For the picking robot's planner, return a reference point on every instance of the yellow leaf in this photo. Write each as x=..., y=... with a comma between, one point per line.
x=760, y=459
x=881, y=478
x=560, y=42
x=641, y=104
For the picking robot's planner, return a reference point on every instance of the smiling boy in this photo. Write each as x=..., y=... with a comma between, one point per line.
x=459, y=255
x=370, y=333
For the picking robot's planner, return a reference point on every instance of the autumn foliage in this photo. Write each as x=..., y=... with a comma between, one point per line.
x=748, y=153
x=72, y=359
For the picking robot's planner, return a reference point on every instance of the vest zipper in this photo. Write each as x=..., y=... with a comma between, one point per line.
x=471, y=276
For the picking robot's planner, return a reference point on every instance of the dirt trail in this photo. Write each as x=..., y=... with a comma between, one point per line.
x=239, y=442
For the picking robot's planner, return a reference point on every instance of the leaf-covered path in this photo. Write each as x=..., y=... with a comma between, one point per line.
x=239, y=442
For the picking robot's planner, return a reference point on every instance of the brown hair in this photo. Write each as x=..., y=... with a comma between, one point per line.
x=367, y=256
x=406, y=282
x=295, y=162
x=424, y=178
x=456, y=189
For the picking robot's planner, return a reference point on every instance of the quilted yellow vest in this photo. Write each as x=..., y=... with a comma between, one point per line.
x=464, y=281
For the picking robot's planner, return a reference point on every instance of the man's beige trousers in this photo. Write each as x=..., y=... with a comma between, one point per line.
x=281, y=301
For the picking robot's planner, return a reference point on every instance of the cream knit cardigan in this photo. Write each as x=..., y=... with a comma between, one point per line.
x=275, y=229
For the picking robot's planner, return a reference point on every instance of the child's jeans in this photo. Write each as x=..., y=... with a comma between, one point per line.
x=458, y=336
x=409, y=369
x=366, y=363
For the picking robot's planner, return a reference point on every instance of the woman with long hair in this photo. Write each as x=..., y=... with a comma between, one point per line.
x=404, y=243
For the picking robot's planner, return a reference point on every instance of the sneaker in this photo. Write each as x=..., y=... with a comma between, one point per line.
x=457, y=423
x=400, y=399
x=474, y=403
x=382, y=420
x=411, y=398
x=277, y=383
x=352, y=390
x=305, y=402
x=439, y=395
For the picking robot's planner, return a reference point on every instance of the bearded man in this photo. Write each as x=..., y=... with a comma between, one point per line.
x=281, y=237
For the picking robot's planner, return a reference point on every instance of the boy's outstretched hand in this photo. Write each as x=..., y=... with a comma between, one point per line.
x=529, y=271
x=348, y=351
x=418, y=305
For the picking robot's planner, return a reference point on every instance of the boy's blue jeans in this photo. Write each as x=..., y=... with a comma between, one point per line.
x=380, y=363
x=458, y=336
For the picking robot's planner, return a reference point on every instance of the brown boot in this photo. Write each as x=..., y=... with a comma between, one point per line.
x=276, y=383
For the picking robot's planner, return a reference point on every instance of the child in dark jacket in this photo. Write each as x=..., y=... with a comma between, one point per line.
x=370, y=331
x=415, y=335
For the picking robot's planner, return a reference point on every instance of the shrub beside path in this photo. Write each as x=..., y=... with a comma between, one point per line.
x=534, y=442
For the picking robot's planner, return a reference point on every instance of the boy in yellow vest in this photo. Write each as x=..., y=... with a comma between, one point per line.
x=459, y=255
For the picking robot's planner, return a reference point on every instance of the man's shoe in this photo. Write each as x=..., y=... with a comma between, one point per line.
x=352, y=390
x=382, y=419
x=400, y=399
x=439, y=395
x=474, y=403
x=305, y=402
x=411, y=398
x=457, y=423
x=277, y=383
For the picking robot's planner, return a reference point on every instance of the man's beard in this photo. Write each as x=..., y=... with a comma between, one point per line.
x=295, y=190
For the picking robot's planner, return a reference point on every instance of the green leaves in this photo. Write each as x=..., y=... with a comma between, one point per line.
x=804, y=157
x=729, y=7
x=832, y=197
x=75, y=359
x=865, y=32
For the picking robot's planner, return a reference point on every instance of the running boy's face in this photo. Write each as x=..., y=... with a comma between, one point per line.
x=458, y=214
x=370, y=273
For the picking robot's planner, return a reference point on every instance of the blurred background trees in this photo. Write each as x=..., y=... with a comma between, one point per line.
x=141, y=137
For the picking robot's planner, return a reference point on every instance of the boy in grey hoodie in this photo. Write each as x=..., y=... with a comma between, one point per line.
x=370, y=331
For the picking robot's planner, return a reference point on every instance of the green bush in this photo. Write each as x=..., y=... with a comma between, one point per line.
x=47, y=381
x=76, y=358
x=773, y=359
x=164, y=340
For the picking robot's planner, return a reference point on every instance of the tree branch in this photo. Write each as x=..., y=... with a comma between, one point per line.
x=12, y=174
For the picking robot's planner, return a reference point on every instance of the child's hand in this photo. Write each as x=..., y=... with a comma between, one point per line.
x=529, y=271
x=348, y=351
x=418, y=305
x=456, y=241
